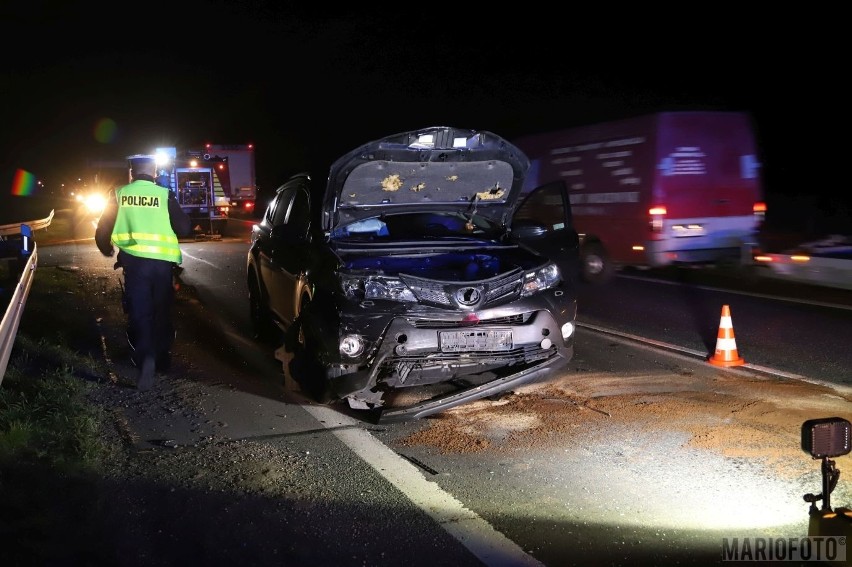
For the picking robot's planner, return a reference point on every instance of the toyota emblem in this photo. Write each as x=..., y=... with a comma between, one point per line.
x=468, y=295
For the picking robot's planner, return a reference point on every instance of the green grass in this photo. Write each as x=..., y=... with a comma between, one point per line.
x=45, y=418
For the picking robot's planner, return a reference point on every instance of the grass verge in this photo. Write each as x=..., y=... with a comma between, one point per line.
x=45, y=418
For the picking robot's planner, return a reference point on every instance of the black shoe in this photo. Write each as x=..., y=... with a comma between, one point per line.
x=146, y=374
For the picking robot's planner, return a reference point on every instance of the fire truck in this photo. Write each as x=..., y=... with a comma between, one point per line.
x=240, y=184
x=201, y=185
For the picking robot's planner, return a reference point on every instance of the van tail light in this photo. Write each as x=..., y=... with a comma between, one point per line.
x=657, y=213
x=759, y=210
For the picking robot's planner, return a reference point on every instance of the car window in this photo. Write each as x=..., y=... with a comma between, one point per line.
x=545, y=206
x=299, y=216
x=282, y=204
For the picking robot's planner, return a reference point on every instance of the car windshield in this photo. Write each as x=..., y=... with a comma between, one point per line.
x=419, y=226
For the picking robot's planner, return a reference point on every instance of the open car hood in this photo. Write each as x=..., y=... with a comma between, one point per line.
x=434, y=169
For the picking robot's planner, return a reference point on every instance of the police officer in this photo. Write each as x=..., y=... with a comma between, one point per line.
x=143, y=220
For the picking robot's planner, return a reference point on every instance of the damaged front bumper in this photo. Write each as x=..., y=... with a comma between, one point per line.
x=462, y=363
x=500, y=385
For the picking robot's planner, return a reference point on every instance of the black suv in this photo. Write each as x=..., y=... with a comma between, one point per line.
x=421, y=278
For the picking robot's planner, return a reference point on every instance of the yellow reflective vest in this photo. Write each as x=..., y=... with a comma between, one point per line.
x=142, y=225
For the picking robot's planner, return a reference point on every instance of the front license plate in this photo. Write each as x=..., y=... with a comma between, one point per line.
x=475, y=340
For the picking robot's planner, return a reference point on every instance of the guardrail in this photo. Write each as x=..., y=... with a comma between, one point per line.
x=9, y=326
x=26, y=257
x=15, y=228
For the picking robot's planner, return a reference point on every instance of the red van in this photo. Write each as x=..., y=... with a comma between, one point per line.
x=665, y=188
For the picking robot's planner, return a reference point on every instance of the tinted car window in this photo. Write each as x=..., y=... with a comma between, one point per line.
x=299, y=217
x=279, y=211
x=545, y=206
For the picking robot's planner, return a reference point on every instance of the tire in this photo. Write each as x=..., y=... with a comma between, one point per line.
x=262, y=325
x=595, y=264
x=306, y=370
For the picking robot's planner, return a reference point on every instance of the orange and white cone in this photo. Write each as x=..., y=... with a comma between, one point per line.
x=726, y=345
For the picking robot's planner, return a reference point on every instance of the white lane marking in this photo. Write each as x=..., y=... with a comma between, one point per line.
x=747, y=293
x=197, y=259
x=487, y=544
x=643, y=342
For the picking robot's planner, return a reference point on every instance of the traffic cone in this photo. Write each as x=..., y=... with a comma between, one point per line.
x=726, y=345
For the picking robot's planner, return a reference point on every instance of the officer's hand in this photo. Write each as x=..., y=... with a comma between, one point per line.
x=111, y=252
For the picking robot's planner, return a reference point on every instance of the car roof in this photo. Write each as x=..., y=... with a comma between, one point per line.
x=434, y=169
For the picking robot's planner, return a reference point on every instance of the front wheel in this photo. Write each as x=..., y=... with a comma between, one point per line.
x=596, y=266
x=306, y=370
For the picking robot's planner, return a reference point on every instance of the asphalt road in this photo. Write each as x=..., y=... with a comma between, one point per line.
x=615, y=482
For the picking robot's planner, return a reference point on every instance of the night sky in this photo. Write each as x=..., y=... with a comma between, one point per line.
x=304, y=86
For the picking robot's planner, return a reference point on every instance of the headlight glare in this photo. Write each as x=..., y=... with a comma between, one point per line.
x=94, y=202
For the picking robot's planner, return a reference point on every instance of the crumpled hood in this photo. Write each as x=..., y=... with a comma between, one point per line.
x=434, y=169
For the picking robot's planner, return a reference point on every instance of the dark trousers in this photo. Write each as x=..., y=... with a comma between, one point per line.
x=149, y=295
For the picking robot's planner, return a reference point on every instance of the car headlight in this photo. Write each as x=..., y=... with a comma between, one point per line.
x=376, y=287
x=95, y=203
x=352, y=345
x=541, y=279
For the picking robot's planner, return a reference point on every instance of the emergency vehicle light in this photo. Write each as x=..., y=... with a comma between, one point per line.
x=162, y=156
x=658, y=210
x=759, y=207
x=161, y=159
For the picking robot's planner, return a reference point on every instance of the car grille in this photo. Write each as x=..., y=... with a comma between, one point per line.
x=503, y=288
x=518, y=319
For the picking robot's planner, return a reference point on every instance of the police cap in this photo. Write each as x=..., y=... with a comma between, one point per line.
x=142, y=164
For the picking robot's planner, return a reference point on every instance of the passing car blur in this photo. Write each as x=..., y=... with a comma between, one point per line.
x=823, y=262
x=415, y=280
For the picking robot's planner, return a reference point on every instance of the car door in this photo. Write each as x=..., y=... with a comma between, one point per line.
x=543, y=222
x=289, y=250
x=274, y=281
